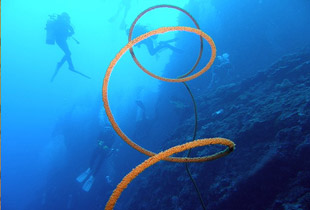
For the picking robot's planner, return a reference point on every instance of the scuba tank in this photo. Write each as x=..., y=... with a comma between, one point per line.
x=50, y=30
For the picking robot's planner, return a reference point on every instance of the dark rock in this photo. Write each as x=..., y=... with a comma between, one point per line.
x=268, y=117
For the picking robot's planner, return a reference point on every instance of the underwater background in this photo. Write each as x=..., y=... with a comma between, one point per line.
x=257, y=94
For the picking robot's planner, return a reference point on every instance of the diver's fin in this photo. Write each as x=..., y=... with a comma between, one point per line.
x=140, y=104
x=83, y=176
x=89, y=182
x=80, y=73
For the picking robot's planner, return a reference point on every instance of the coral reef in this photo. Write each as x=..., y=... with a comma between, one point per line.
x=268, y=116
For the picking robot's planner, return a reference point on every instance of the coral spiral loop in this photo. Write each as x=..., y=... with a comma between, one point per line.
x=165, y=155
x=158, y=7
x=161, y=156
x=121, y=53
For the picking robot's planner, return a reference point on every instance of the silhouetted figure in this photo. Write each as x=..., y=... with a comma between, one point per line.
x=125, y=6
x=152, y=46
x=141, y=115
x=63, y=30
x=59, y=30
x=221, y=70
x=102, y=151
x=143, y=124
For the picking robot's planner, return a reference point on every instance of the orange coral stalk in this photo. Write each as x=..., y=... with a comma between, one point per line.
x=161, y=156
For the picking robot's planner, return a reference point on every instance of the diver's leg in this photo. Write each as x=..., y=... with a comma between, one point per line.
x=99, y=163
x=126, y=6
x=68, y=55
x=119, y=10
x=171, y=40
x=61, y=62
x=71, y=67
x=142, y=107
x=95, y=162
x=59, y=65
x=62, y=44
x=212, y=78
x=174, y=49
x=93, y=158
x=150, y=47
x=162, y=45
x=157, y=49
x=165, y=44
x=64, y=58
x=65, y=48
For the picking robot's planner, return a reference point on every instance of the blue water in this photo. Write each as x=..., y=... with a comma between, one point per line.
x=49, y=129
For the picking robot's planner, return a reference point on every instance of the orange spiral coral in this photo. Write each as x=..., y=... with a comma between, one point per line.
x=165, y=155
x=161, y=156
x=119, y=55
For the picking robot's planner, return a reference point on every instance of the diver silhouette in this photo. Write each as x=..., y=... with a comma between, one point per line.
x=125, y=6
x=221, y=70
x=59, y=30
x=152, y=46
x=102, y=151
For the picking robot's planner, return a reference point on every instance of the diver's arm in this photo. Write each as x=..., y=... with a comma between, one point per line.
x=71, y=31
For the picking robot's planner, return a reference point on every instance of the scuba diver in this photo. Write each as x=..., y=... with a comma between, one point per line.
x=221, y=70
x=102, y=151
x=143, y=124
x=59, y=30
x=141, y=116
x=125, y=6
x=152, y=46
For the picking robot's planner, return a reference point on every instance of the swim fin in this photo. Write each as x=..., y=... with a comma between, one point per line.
x=72, y=69
x=83, y=176
x=89, y=182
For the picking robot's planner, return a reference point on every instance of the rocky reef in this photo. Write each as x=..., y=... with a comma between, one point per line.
x=268, y=117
